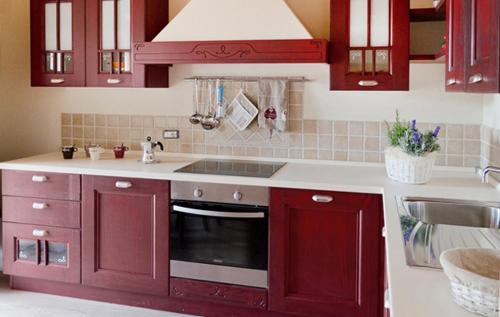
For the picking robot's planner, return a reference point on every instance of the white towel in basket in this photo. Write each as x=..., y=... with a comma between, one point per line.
x=273, y=104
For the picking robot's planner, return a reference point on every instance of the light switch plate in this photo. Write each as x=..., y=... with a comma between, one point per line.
x=171, y=134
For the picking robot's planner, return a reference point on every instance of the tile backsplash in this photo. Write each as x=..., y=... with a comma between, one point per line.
x=359, y=141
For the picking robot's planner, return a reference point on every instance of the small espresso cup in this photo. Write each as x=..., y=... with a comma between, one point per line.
x=95, y=153
x=68, y=151
x=120, y=151
x=87, y=147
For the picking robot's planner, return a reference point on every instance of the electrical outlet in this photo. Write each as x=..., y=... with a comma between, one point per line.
x=171, y=134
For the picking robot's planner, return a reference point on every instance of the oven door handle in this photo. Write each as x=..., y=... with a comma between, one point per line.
x=220, y=214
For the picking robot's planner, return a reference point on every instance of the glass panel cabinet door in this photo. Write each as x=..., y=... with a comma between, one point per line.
x=370, y=45
x=57, y=43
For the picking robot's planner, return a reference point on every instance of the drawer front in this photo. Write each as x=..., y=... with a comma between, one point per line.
x=41, y=185
x=42, y=252
x=39, y=211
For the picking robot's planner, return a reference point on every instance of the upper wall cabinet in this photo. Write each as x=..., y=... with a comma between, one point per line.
x=482, y=47
x=112, y=28
x=57, y=43
x=370, y=45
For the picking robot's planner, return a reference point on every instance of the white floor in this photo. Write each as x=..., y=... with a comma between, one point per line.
x=26, y=304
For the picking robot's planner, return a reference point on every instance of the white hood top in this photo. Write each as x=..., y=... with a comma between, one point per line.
x=226, y=20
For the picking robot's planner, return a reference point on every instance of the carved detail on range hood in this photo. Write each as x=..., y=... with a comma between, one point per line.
x=245, y=38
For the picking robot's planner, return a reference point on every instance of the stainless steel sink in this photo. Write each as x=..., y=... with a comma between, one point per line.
x=430, y=226
x=454, y=212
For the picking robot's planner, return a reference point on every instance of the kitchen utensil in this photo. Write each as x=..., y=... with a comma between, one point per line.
x=68, y=151
x=120, y=150
x=95, y=153
x=196, y=117
x=209, y=122
x=220, y=110
x=148, y=151
x=241, y=112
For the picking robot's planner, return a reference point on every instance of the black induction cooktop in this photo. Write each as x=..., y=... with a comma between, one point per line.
x=233, y=168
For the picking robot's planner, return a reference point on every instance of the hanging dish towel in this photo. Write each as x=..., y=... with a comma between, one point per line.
x=273, y=104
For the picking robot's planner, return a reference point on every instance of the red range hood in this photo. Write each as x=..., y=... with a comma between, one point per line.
x=233, y=31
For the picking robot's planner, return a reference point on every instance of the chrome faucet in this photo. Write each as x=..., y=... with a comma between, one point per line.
x=489, y=169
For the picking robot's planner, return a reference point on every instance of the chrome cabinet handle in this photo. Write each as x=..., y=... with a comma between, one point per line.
x=451, y=82
x=477, y=78
x=56, y=80
x=113, y=81
x=40, y=206
x=368, y=83
x=40, y=233
x=322, y=198
x=219, y=214
x=121, y=184
x=38, y=179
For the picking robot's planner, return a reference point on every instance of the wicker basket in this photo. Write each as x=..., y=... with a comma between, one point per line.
x=408, y=169
x=475, y=279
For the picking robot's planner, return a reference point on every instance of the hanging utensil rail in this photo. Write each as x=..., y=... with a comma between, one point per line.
x=245, y=79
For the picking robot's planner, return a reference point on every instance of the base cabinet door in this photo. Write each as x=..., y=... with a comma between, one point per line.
x=325, y=251
x=125, y=234
x=41, y=252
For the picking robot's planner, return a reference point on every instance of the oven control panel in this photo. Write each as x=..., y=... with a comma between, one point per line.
x=220, y=193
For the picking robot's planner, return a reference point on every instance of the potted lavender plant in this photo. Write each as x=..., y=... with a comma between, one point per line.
x=411, y=155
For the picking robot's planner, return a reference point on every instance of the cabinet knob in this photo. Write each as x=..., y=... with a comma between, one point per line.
x=122, y=184
x=368, y=83
x=40, y=233
x=238, y=196
x=40, y=206
x=322, y=198
x=477, y=78
x=56, y=81
x=114, y=81
x=198, y=193
x=38, y=179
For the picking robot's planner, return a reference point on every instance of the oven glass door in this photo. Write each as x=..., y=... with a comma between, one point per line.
x=219, y=234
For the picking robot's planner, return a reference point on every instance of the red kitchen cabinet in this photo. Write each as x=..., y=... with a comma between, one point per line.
x=326, y=253
x=57, y=43
x=125, y=234
x=112, y=28
x=455, y=46
x=370, y=45
x=42, y=252
x=482, y=46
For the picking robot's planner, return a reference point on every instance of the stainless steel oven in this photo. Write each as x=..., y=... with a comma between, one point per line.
x=219, y=233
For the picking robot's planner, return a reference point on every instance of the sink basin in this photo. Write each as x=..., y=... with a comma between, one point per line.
x=431, y=226
x=454, y=212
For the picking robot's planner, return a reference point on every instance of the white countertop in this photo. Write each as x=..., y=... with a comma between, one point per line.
x=414, y=292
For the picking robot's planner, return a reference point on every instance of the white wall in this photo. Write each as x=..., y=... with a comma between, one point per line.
x=30, y=117
x=491, y=112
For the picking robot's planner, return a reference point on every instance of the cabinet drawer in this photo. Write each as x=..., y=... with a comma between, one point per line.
x=319, y=199
x=42, y=252
x=48, y=212
x=218, y=293
x=42, y=185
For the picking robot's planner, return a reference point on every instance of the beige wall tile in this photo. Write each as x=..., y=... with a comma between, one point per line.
x=280, y=152
x=310, y=126
x=355, y=143
x=325, y=127
x=454, y=147
x=137, y=121
x=340, y=155
x=472, y=148
x=356, y=128
x=66, y=119
x=311, y=141
x=356, y=156
x=136, y=134
x=253, y=151
x=89, y=133
x=89, y=119
x=160, y=122
x=77, y=119
x=473, y=132
x=148, y=121
x=325, y=142
x=113, y=121
x=66, y=132
x=325, y=155
x=296, y=153
x=112, y=133
x=266, y=152
x=455, y=160
x=455, y=131
x=124, y=121
x=372, y=129
x=372, y=144
x=77, y=132
x=311, y=154
x=295, y=126
x=341, y=143
x=100, y=120
x=372, y=157
x=340, y=128
x=296, y=98
x=296, y=140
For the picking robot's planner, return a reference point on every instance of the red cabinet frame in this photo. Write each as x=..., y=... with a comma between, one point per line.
x=397, y=78
x=39, y=75
x=125, y=234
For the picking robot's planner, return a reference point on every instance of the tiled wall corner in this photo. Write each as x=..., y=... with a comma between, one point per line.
x=490, y=147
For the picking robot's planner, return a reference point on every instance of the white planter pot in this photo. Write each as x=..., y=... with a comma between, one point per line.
x=408, y=169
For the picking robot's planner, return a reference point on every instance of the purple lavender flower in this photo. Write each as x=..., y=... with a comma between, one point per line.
x=416, y=137
x=436, y=132
x=414, y=124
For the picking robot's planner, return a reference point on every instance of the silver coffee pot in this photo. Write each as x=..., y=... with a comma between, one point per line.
x=148, y=151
